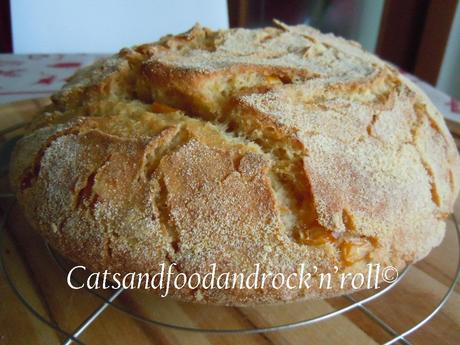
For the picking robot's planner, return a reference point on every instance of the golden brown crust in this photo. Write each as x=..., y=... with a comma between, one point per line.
x=277, y=146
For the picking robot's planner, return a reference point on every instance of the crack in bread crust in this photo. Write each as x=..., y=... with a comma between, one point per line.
x=280, y=146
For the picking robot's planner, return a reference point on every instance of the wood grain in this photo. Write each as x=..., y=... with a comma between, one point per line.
x=43, y=284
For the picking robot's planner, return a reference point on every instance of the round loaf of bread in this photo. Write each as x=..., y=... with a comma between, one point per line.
x=274, y=148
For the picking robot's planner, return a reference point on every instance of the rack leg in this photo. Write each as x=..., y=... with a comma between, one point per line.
x=93, y=317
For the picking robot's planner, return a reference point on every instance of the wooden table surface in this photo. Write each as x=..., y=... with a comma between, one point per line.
x=40, y=280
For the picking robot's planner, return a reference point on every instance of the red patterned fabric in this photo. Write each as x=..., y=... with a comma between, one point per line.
x=37, y=75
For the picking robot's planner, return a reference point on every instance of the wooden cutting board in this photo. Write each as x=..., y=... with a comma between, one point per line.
x=39, y=279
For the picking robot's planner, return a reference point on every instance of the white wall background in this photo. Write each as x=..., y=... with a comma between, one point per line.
x=105, y=26
x=449, y=76
x=367, y=29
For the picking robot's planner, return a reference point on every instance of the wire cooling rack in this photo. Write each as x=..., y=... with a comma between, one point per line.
x=109, y=301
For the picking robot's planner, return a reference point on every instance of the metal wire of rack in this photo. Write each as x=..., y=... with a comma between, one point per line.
x=72, y=337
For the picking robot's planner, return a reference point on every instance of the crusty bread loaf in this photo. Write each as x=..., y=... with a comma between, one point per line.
x=278, y=146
